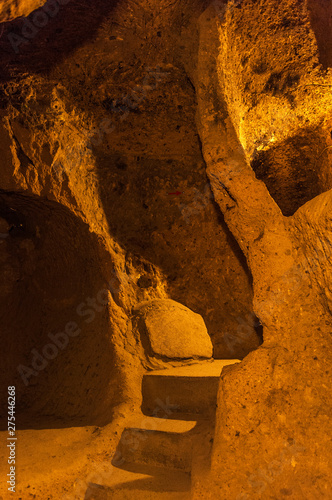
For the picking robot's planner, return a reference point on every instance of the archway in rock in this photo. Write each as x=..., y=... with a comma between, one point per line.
x=55, y=328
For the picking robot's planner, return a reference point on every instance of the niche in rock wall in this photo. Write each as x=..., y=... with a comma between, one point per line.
x=296, y=170
x=58, y=352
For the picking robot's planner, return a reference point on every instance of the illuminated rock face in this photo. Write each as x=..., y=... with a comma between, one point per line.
x=273, y=427
x=109, y=199
x=10, y=9
x=174, y=331
x=278, y=96
x=108, y=145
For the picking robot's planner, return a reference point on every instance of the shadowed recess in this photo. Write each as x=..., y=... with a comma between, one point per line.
x=59, y=355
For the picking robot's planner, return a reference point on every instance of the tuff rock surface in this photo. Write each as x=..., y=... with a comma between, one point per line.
x=173, y=331
x=273, y=428
x=97, y=132
x=112, y=195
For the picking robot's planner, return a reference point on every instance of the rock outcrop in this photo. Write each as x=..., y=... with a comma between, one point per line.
x=102, y=168
x=173, y=331
x=113, y=195
x=273, y=427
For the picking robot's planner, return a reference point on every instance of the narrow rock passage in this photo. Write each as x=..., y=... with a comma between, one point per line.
x=155, y=452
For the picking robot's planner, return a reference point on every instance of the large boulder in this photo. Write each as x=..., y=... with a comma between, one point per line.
x=171, y=330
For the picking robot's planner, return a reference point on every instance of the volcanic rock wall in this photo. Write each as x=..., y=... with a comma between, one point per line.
x=270, y=71
x=273, y=427
x=101, y=160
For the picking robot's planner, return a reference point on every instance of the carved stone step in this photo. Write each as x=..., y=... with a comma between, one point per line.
x=157, y=442
x=152, y=484
x=186, y=390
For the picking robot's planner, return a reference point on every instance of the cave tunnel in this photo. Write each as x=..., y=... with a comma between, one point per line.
x=165, y=242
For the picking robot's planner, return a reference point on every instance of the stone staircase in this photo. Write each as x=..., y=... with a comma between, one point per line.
x=155, y=452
